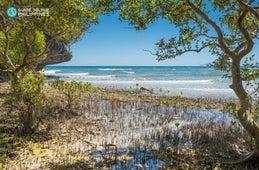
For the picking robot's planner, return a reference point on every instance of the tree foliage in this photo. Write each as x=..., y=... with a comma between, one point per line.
x=71, y=90
x=22, y=39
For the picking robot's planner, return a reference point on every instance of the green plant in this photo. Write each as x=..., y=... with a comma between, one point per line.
x=166, y=100
x=230, y=108
x=71, y=90
x=113, y=97
x=161, y=90
x=29, y=100
x=176, y=97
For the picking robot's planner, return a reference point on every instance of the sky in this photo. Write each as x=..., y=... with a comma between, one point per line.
x=114, y=43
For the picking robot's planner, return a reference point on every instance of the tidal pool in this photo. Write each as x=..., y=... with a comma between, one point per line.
x=131, y=133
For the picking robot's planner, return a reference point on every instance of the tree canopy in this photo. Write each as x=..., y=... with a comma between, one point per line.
x=22, y=38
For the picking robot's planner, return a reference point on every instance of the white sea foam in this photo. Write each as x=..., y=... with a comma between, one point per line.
x=56, y=73
x=129, y=72
x=111, y=69
x=86, y=77
x=50, y=72
x=103, y=76
x=75, y=74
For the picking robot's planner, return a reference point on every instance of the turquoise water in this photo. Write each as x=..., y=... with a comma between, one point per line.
x=195, y=81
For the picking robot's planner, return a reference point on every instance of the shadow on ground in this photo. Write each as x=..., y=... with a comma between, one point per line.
x=79, y=165
x=12, y=137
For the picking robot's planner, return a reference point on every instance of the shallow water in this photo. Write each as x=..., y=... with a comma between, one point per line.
x=195, y=81
x=131, y=133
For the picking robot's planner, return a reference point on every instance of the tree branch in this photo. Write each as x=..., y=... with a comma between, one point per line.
x=5, y=71
x=48, y=44
x=6, y=52
x=214, y=25
x=27, y=46
x=208, y=36
x=164, y=51
x=249, y=8
x=239, y=47
x=246, y=35
x=195, y=50
x=31, y=59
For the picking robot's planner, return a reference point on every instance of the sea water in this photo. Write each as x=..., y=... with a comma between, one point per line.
x=191, y=81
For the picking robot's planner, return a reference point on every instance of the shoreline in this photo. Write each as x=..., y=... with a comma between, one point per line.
x=208, y=103
x=159, y=91
x=96, y=133
x=191, y=81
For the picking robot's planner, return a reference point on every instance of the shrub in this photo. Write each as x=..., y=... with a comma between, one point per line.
x=29, y=100
x=71, y=90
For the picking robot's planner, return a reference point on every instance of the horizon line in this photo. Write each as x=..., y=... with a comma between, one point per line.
x=126, y=66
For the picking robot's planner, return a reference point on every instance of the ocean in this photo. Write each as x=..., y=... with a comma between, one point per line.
x=189, y=81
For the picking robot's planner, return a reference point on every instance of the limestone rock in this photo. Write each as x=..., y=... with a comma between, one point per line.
x=57, y=54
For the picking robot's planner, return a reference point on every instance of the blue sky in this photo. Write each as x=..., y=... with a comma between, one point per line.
x=114, y=43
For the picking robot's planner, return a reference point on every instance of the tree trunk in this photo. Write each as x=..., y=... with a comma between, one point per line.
x=257, y=145
x=28, y=121
x=26, y=115
x=244, y=116
x=13, y=77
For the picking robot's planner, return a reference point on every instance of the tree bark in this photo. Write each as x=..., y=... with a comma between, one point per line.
x=244, y=116
x=28, y=121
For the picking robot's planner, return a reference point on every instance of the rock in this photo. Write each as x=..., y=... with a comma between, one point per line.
x=54, y=56
x=57, y=54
